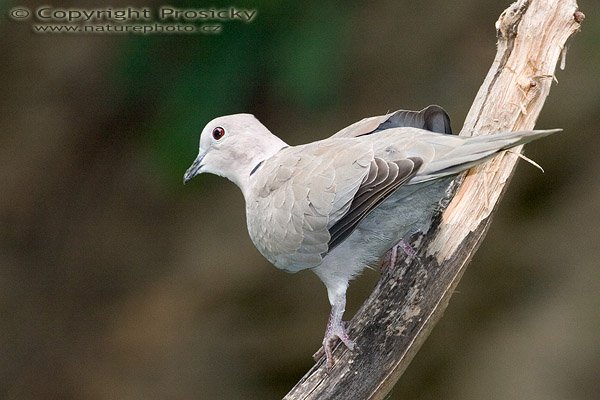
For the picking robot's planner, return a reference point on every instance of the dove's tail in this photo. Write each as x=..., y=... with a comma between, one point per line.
x=475, y=150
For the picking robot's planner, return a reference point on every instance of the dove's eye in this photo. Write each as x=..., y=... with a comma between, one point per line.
x=218, y=133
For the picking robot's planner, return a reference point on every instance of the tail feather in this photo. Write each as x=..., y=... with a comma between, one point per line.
x=476, y=150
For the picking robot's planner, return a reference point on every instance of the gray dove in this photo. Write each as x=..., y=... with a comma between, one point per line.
x=340, y=204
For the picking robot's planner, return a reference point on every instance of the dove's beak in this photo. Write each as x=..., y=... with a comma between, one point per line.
x=195, y=168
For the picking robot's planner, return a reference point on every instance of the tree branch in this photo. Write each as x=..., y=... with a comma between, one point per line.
x=410, y=298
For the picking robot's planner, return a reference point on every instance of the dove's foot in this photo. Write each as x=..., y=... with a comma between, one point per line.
x=407, y=248
x=332, y=335
x=336, y=330
x=390, y=258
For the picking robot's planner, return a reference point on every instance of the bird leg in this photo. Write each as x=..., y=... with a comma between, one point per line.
x=390, y=258
x=408, y=249
x=335, y=330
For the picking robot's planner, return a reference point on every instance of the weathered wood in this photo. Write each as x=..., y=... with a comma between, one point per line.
x=410, y=298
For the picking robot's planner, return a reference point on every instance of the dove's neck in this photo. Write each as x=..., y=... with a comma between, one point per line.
x=254, y=154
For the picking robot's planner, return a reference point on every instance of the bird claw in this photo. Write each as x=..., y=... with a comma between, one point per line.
x=408, y=249
x=390, y=258
x=333, y=334
x=318, y=354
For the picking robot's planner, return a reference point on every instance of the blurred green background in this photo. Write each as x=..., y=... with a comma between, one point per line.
x=117, y=282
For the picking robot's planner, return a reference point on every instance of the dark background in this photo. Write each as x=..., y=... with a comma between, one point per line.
x=117, y=282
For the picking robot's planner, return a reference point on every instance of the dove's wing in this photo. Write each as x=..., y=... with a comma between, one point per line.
x=308, y=199
x=444, y=155
x=383, y=179
x=432, y=118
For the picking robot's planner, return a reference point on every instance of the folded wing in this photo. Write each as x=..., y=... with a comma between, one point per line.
x=310, y=198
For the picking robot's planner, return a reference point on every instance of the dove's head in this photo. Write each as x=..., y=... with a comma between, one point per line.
x=232, y=146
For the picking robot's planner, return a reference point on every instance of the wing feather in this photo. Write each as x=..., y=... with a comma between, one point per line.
x=308, y=199
x=369, y=196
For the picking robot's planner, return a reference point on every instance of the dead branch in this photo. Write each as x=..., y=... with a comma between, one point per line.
x=409, y=300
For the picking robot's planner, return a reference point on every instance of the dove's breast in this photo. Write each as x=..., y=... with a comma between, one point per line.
x=298, y=194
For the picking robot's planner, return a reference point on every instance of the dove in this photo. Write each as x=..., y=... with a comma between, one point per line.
x=338, y=205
